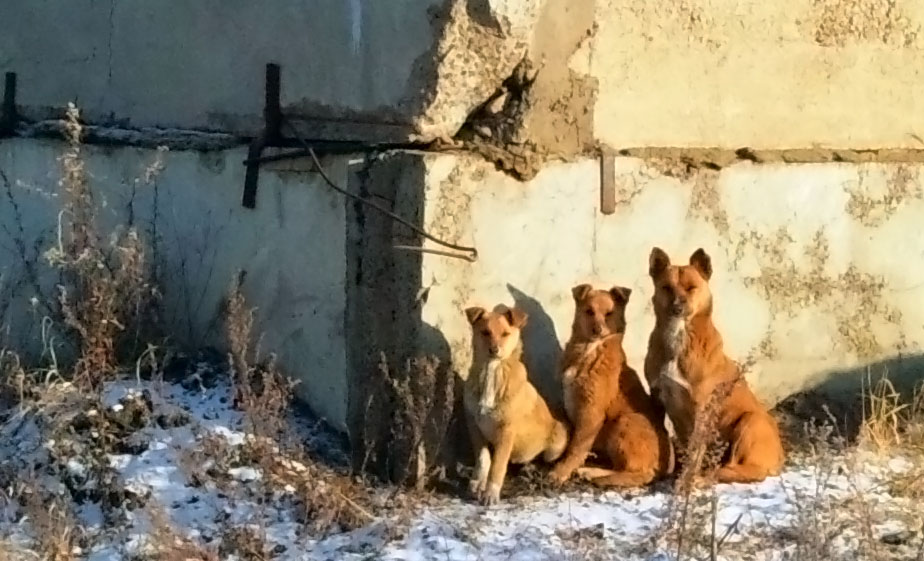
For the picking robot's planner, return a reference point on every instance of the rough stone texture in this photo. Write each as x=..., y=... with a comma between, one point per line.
x=815, y=264
x=544, y=109
x=624, y=73
x=291, y=248
x=479, y=45
x=560, y=116
x=355, y=69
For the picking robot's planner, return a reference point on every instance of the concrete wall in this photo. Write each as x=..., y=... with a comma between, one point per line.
x=793, y=74
x=359, y=68
x=291, y=247
x=201, y=65
x=818, y=266
x=622, y=73
x=812, y=259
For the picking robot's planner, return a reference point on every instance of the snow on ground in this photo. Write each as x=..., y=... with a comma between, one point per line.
x=164, y=460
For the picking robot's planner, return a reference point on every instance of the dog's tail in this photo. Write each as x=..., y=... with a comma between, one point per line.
x=558, y=441
x=742, y=473
x=609, y=478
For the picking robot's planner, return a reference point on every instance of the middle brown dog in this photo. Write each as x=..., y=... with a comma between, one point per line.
x=607, y=404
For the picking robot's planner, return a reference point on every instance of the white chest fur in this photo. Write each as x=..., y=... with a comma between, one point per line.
x=670, y=377
x=482, y=396
x=493, y=372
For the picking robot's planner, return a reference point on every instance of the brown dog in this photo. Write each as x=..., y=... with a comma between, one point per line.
x=686, y=364
x=607, y=404
x=502, y=408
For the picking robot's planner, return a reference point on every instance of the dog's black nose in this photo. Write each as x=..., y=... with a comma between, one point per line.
x=598, y=329
x=494, y=349
x=679, y=308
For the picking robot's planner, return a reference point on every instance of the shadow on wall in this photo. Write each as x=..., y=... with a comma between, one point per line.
x=541, y=349
x=404, y=405
x=481, y=13
x=842, y=391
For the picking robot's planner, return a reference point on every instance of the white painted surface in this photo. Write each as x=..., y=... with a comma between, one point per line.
x=798, y=317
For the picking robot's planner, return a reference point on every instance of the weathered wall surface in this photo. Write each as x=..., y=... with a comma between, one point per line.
x=623, y=73
x=813, y=260
x=843, y=73
x=117, y=58
x=817, y=266
x=291, y=248
x=367, y=69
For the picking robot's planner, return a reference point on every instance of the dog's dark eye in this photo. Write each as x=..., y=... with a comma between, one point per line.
x=610, y=313
x=589, y=312
x=666, y=288
x=486, y=333
x=506, y=334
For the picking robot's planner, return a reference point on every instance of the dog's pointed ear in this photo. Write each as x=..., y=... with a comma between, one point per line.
x=658, y=262
x=474, y=314
x=701, y=261
x=621, y=294
x=580, y=291
x=516, y=317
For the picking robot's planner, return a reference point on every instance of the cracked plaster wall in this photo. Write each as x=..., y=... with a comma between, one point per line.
x=623, y=73
x=291, y=248
x=396, y=70
x=841, y=73
x=817, y=265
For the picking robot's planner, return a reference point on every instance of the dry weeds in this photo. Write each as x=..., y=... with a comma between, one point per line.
x=411, y=417
x=329, y=500
x=57, y=533
x=106, y=297
x=699, y=461
x=885, y=416
x=167, y=544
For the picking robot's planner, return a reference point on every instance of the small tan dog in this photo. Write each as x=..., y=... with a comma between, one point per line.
x=502, y=407
x=686, y=363
x=607, y=404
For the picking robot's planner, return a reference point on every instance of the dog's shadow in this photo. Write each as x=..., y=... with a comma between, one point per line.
x=541, y=348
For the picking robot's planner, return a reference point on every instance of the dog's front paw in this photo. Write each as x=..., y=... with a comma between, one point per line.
x=559, y=474
x=477, y=486
x=491, y=495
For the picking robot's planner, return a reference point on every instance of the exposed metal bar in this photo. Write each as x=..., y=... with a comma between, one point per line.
x=8, y=116
x=252, y=174
x=272, y=112
x=272, y=121
x=335, y=147
x=607, y=182
x=419, y=249
x=467, y=253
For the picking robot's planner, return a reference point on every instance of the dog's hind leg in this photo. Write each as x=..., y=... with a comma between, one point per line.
x=756, y=452
x=586, y=428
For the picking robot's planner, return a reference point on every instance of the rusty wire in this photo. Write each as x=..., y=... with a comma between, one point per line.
x=469, y=254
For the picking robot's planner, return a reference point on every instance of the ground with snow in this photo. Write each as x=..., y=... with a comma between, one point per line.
x=178, y=466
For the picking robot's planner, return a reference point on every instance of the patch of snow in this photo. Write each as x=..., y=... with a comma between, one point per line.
x=245, y=474
x=166, y=471
x=76, y=468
